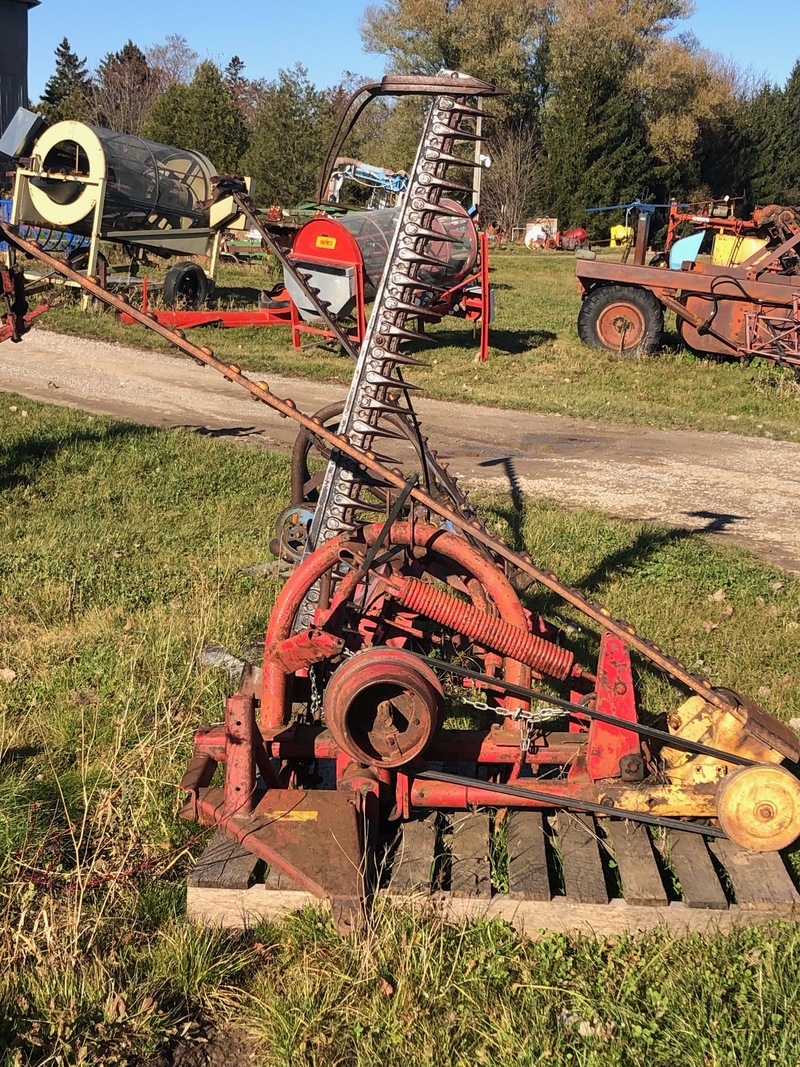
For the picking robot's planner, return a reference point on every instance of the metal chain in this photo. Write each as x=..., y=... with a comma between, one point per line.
x=315, y=703
x=528, y=718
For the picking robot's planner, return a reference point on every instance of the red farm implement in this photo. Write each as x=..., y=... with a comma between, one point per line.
x=737, y=311
x=402, y=607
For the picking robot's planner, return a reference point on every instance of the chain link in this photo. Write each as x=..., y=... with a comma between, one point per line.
x=315, y=703
x=528, y=719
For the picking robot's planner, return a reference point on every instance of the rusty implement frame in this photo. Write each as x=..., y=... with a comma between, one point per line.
x=737, y=311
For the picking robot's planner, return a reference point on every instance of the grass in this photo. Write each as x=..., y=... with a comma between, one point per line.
x=123, y=557
x=536, y=361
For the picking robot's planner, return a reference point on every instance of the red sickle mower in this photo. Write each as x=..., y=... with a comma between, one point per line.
x=402, y=605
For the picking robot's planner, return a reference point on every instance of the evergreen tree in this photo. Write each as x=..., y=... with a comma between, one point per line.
x=291, y=125
x=762, y=117
x=784, y=160
x=66, y=93
x=203, y=116
x=234, y=73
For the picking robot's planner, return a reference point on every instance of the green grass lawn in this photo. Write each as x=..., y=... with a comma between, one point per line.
x=536, y=361
x=123, y=550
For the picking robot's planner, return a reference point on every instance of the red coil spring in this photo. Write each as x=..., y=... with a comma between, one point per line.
x=502, y=637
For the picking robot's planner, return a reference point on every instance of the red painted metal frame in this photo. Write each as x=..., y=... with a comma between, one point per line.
x=19, y=318
x=324, y=241
x=589, y=764
x=476, y=308
x=609, y=748
x=275, y=696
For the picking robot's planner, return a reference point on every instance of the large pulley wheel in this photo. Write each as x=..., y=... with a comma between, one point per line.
x=621, y=318
x=383, y=706
x=759, y=807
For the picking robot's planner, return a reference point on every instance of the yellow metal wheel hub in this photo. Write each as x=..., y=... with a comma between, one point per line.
x=759, y=807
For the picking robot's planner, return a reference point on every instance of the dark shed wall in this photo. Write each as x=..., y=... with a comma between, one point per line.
x=13, y=58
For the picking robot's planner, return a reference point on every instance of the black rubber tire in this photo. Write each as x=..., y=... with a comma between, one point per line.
x=622, y=319
x=186, y=286
x=79, y=260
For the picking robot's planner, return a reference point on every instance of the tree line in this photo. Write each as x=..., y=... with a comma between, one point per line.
x=606, y=102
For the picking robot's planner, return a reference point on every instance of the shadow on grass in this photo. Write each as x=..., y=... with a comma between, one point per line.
x=36, y=451
x=514, y=514
x=645, y=544
x=511, y=342
x=237, y=297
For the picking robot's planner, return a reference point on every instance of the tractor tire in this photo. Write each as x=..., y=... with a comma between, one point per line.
x=622, y=319
x=186, y=286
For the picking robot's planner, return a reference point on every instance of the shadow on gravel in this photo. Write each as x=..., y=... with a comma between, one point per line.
x=222, y=431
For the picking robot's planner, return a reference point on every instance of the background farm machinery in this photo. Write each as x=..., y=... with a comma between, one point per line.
x=91, y=184
x=402, y=607
x=741, y=305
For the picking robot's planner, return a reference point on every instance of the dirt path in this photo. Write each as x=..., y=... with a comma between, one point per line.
x=744, y=489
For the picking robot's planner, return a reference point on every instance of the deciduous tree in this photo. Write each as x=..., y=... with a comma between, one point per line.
x=173, y=61
x=123, y=91
x=500, y=41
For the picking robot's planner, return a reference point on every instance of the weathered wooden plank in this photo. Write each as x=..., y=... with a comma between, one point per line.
x=584, y=882
x=641, y=879
x=224, y=864
x=535, y=917
x=239, y=908
x=470, y=873
x=700, y=885
x=413, y=858
x=759, y=879
x=528, y=878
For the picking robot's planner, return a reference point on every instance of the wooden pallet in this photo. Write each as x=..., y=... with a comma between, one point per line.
x=565, y=872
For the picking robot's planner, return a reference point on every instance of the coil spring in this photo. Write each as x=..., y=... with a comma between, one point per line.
x=509, y=640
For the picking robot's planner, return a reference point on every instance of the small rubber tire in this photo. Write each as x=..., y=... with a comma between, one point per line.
x=186, y=285
x=622, y=319
x=79, y=260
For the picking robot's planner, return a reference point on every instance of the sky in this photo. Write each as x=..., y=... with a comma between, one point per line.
x=323, y=34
